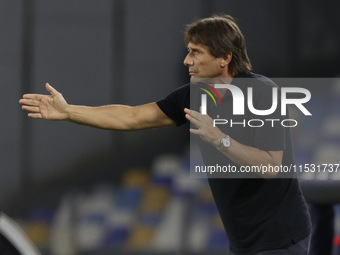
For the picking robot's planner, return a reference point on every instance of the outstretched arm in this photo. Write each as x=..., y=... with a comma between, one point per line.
x=115, y=117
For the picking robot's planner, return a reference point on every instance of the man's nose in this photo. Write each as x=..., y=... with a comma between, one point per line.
x=188, y=61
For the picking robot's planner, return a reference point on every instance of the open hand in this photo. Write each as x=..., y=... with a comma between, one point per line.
x=50, y=107
x=205, y=128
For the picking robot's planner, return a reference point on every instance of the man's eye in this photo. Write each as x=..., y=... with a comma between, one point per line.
x=194, y=51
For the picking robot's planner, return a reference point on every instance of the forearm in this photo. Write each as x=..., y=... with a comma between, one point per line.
x=119, y=117
x=114, y=117
x=244, y=155
x=250, y=156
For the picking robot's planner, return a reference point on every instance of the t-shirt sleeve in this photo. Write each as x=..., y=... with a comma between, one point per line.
x=173, y=105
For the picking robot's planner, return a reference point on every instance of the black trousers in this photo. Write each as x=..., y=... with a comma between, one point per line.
x=299, y=248
x=322, y=217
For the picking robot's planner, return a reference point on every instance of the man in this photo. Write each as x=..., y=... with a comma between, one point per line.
x=263, y=215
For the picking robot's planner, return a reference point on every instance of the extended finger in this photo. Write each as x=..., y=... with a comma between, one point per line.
x=33, y=96
x=191, y=114
x=194, y=121
x=195, y=114
x=29, y=102
x=35, y=115
x=194, y=131
x=30, y=108
x=50, y=89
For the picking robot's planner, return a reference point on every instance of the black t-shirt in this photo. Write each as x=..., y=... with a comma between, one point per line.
x=258, y=214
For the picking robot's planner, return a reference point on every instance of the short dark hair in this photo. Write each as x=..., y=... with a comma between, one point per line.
x=222, y=36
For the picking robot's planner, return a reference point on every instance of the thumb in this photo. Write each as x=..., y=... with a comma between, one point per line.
x=50, y=89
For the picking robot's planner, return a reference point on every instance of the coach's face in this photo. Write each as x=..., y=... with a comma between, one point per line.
x=204, y=65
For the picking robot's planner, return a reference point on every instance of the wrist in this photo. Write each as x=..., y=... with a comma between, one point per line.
x=217, y=141
x=224, y=143
x=68, y=112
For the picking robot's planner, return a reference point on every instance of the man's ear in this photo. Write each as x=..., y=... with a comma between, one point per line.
x=228, y=57
x=226, y=60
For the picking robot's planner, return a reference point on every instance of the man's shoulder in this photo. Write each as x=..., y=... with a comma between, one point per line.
x=255, y=79
x=249, y=74
x=185, y=87
x=179, y=92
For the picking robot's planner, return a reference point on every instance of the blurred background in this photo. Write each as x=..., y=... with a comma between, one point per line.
x=78, y=190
